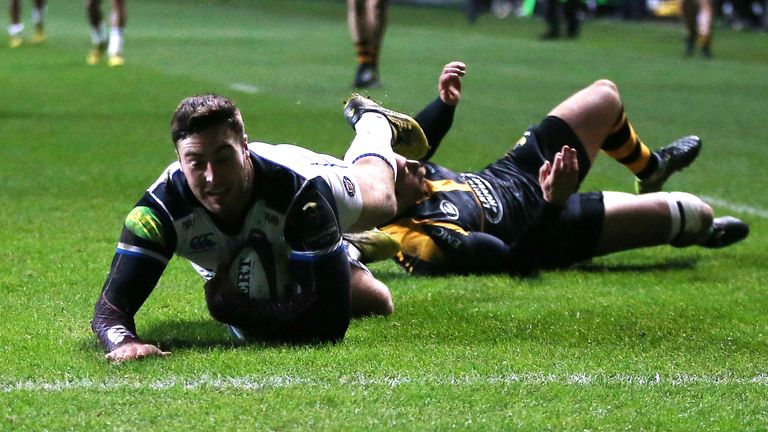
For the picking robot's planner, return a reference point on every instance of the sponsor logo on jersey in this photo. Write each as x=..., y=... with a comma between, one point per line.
x=486, y=195
x=445, y=236
x=523, y=139
x=202, y=242
x=449, y=209
x=349, y=186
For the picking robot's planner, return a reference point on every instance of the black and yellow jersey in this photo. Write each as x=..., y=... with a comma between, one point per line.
x=496, y=220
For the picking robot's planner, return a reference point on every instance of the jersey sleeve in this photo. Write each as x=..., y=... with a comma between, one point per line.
x=448, y=249
x=435, y=119
x=320, y=312
x=146, y=244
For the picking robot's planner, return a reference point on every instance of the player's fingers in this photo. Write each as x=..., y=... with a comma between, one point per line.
x=544, y=171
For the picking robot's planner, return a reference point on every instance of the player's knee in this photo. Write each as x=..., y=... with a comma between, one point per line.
x=369, y=296
x=606, y=92
x=690, y=216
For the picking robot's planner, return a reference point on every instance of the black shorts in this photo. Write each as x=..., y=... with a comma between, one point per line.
x=574, y=237
x=540, y=143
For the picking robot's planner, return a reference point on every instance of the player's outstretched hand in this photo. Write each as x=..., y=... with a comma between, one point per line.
x=134, y=351
x=559, y=178
x=449, y=84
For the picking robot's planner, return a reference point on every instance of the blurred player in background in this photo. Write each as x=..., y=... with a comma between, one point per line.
x=224, y=194
x=367, y=21
x=555, y=11
x=697, y=16
x=520, y=214
x=16, y=28
x=101, y=42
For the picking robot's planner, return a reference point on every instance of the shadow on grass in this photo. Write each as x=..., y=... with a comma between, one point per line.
x=668, y=265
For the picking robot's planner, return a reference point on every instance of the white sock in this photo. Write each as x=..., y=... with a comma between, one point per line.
x=37, y=15
x=15, y=29
x=115, y=41
x=373, y=138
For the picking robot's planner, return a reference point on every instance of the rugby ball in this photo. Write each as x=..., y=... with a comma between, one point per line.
x=253, y=273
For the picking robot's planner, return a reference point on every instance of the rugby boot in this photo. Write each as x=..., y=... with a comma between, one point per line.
x=96, y=54
x=367, y=76
x=115, y=60
x=373, y=245
x=726, y=231
x=39, y=36
x=15, y=42
x=408, y=138
x=671, y=158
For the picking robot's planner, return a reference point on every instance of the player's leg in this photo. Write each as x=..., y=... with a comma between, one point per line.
x=675, y=218
x=552, y=18
x=704, y=27
x=368, y=295
x=360, y=27
x=571, y=12
x=118, y=19
x=373, y=164
x=98, y=32
x=15, y=28
x=690, y=9
x=377, y=16
x=596, y=114
x=379, y=134
x=38, y=20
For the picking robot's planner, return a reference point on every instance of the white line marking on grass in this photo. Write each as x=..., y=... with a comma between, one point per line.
x=245, y=88
x=741, y=208
x=250, y=383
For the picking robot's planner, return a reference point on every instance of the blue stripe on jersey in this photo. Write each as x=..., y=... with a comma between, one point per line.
x=126, y=249
x=315, y=255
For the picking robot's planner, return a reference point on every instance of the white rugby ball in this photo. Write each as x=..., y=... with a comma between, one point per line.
x=254, y=274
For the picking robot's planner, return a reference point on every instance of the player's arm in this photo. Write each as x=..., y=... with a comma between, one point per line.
x=140, y=258
x=437, y=117
x=320, y=313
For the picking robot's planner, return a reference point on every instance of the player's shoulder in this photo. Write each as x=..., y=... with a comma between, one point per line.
x=169, y=193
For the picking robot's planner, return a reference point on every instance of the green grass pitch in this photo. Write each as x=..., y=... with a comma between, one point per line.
x=660, y=339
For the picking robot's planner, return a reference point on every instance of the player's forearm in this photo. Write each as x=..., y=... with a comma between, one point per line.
x=130, y=281
x=112, y=326
x=435, y=119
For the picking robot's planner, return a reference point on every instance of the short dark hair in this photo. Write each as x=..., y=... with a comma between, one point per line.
x=198, y=113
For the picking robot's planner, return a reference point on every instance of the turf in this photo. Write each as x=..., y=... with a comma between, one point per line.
x=661, y=339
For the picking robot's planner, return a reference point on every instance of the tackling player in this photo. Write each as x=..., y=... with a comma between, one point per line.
x=520, y=214
x=224, y=193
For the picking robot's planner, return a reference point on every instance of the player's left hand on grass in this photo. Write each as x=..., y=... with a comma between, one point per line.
x=449, y=84
x=559, y=178
x=134, y=351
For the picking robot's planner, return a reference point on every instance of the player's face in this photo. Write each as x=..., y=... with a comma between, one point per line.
x=218, y=170
x=410, y=186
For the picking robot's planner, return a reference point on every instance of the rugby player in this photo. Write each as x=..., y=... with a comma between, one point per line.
x=112, y=44
x=367, y=20
x=16, y=28
x=224, y=193
x=520, y=214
